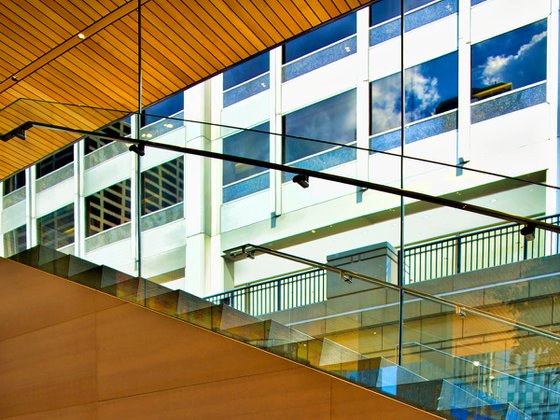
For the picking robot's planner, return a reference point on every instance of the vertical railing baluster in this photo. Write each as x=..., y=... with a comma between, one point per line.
x=458, y=254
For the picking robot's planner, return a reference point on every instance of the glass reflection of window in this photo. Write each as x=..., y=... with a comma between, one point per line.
x=15, y=241
x=14, y=182
x=55, y=161
x=162, y=186
x=108, y=208
x=430, y=89
x=57, y=228
x=250, y=144
x=509, y=61
x=320, y=37
x=246, y=71
x=333, y=120
x=119, y=128
x=385, y=10
x=163, y=109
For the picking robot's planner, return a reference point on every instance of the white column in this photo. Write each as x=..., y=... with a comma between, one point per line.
x=200, y=191
x=134, y=231
x=553, y=172
x=30, y=207
x=79, y=203
x=276, y=127
x=464, y=89
x=362, y=94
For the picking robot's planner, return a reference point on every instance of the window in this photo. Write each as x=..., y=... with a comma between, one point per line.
x=384, y=10
x=250, y=144
x=119, y=128
x=163, y=109
x=246, y=71
x=57, y=228
x=14, y=182
x=320, y=37
x=333, y=120
x=162, y=186
x=55, y=161
x=15, y=241
x=108, y=208
x=430, y=89
x=509, y=61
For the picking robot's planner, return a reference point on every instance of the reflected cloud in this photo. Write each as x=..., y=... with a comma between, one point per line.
x=502, y=68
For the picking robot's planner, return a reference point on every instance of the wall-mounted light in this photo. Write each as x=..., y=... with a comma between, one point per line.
x=138, y=149
x=528, y=231
x=302, y=180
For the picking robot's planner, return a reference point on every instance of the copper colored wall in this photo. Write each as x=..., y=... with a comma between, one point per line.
x=67, y=351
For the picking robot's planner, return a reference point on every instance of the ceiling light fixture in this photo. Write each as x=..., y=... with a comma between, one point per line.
x=81, y=36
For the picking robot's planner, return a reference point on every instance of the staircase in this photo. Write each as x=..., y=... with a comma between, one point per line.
x=445, y=395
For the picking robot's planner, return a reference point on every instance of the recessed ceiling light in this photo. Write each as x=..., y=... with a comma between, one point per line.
x=167, y=125
x=81, y=36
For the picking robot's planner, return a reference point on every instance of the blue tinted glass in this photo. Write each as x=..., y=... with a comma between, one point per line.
x=320, y=37
x=165, y=108
x=248, y=144
x=509, y=61
x=384, y=10
x=385, y=104
x=413, y=4
x=246, y=71
x=431, y=87
x=387, y=9
x=333, y=119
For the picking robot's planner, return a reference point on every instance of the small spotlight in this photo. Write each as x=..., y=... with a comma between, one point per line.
x=346, y=277
x=301, y=180
x=528, y=231
x=138, y=149
x=459, y=311
x=81, y=36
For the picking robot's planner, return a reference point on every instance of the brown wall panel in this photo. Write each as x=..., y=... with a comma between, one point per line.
x=49, y=368
x=29, y=301
x=125, y=361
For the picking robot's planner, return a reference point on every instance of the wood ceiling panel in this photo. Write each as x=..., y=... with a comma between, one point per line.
x=184, y=42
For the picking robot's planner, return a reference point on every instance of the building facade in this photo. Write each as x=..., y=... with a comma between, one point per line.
x=480, y=92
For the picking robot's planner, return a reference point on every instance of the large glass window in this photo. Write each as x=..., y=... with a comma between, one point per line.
x=430, y=89
x=57, y=228
x=108, y=208
x=509, y=61
x=15, y=241
x=162, y=186
x=14, y=182
x=55, y=161
x=250, y=144
x=320, y=37
x=384, y=10
x=163, y=109
x=246, y=71
x=332, y=120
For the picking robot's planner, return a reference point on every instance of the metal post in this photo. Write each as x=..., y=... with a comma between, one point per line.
x=402, y=213
x=138, y=159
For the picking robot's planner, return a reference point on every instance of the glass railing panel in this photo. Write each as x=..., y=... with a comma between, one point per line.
x=489, y=360
x=453, y=360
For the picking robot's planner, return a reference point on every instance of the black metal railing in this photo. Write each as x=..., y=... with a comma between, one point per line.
x=277, y=295
x=462, y=253
x=478, y=250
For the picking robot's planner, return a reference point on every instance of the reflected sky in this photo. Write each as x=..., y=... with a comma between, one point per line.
x=517, y=57
x=430, y=88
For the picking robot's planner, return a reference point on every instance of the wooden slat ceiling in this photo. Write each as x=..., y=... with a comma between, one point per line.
x=49, y=74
